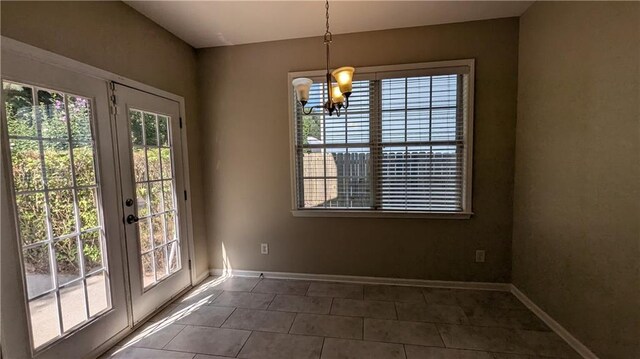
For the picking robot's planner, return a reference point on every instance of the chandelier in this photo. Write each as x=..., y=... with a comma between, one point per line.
x=339, y=93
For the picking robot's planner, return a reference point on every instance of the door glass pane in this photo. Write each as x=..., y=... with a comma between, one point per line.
x=88, y=208
x=161, y=263
x=67, y=261
x=61, y=212
x=72, y=304
x=37, y=267
x=139, y=164
x=152, y=154
x=144, y=234
x=83, y=158
x=157, y=226
x=20, y=116
x=51, y=114
x=155, y=191
x=45, y=325
x=32, y=217
x=97, y=293
x=173, y=251
x=57, y=164
x=26, y=163
x=53, y=162
x=153, y=161
x=148, y=275
x=92, y=251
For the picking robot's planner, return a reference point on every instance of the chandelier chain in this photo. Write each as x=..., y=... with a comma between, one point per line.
x=327, y=35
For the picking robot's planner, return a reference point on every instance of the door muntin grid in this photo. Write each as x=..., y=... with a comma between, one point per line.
x=156, y=207
x=58, y=209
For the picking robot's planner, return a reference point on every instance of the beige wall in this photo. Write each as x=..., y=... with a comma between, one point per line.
x=114, y=37
x=244, y=101
x=576, y=239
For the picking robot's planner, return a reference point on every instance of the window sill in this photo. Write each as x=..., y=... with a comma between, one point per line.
x=378, y=214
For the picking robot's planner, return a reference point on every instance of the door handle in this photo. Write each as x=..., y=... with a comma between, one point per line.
x=132, y=219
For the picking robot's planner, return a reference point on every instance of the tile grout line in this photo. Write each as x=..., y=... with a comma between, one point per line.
x=243, y=344
x=293, y=321
x=444, y=345
x=216, y=297
x=255, y=285
x=172, y=338
x=227, y=318
x=159, y=349
x=395, y=307
x=322, y=347
x=271, y=301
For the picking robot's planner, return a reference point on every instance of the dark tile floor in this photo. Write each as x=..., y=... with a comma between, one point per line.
x=269, y=318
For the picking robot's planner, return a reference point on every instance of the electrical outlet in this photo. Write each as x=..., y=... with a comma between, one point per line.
x=480, y=256
x=264, y=248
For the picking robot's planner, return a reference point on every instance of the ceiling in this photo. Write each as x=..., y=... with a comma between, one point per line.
x=222, y=23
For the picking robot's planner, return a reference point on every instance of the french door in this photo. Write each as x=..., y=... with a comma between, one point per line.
x=93, y=209
x=150, y=153
x=59, y=168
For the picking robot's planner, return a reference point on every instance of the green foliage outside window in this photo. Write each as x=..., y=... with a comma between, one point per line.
x=33, y=160
x=310, y=128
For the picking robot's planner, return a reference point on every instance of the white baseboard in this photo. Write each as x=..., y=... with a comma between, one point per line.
x=555, y=326
x=504, y=287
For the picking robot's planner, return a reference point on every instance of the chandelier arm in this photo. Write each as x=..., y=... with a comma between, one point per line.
x=310, y=110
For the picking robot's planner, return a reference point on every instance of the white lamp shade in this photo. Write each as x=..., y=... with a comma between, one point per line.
x=336, y=94
x=302, y=86
x=344, y=76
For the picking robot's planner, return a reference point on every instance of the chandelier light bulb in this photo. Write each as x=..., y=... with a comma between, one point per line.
x=302, y=86
x=344, y=76
x=336, y=94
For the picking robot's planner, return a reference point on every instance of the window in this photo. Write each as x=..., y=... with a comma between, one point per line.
x=402, y=147
x=57, y=202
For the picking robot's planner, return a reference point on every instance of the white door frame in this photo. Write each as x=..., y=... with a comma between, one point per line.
x=13, y=267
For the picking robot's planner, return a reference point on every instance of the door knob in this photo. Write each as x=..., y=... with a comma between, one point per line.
x=132, y=219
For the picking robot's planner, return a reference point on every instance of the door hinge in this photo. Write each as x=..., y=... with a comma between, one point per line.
x=114, y=104
x=180, y=122
x=113, y=99
x=189, y=264
x=185, y=195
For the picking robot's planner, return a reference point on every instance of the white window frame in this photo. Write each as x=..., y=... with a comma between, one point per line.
x=434, y=68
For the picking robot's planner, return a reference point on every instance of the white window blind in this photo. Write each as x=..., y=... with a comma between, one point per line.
x=401, y=146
